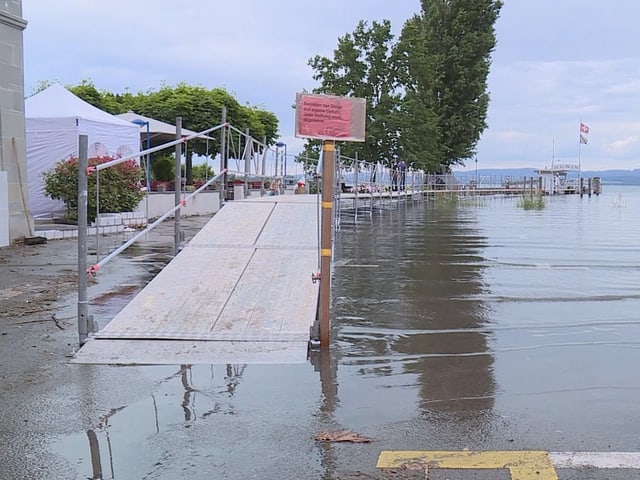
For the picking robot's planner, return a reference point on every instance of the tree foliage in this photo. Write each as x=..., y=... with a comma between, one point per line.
x=426, y=92
x=88, y=92
x=363, y=66
x=458, y=38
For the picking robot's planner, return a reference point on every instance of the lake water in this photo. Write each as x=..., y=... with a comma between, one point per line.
x=477, y=326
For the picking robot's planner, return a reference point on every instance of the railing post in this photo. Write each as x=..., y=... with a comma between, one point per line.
x=328, y=169
x=223, y=157
x=83, y=303
x=247, y=162
x=264, y=165
x=177, y=187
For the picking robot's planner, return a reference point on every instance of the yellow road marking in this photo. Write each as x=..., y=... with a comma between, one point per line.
x=524, y=465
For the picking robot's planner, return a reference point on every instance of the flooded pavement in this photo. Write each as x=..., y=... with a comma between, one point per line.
x=480, y=326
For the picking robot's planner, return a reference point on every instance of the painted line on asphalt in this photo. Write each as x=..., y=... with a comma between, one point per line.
x=522, y=465
x=630, y=460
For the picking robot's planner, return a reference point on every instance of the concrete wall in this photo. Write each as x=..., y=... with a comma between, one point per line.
x=205, y=203
x=4, y=210
x=12, y=124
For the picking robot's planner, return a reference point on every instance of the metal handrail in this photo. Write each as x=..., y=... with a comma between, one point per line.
x=173, y=143
x=94, y=268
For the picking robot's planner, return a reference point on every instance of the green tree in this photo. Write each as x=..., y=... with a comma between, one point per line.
x=419, y=130
x=448, y=55
x=42, y=85
x=199, y=107
x=364, y=66
x=426, y=94
x=116, y=103
x=88, y=92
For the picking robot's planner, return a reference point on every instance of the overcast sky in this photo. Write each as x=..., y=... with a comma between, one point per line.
x=557, y=62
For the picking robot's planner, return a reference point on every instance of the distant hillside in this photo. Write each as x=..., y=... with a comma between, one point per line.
x=620, y=177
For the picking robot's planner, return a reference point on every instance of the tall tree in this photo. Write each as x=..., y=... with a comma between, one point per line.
x=363, y=67
x=448, y=72
x=419, y=130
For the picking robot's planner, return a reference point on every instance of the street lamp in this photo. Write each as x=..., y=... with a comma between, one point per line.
x=141, y=122
x=476, y=171
x=284, y=163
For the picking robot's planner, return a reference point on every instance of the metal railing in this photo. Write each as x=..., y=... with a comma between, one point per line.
x=250, y=153
x=370, y=185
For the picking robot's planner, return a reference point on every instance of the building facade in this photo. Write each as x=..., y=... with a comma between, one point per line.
x=12, y=122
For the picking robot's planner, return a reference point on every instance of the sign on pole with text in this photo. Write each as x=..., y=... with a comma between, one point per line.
x=328, y=117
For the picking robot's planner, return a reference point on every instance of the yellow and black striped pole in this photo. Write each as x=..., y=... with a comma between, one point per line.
x=326, y=237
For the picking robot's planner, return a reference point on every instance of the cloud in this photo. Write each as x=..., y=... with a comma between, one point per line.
x=623, y=145
x=511, y=136
x=555, y=64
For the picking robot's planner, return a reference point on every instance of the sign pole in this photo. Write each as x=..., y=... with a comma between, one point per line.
x=328, y=118
x=83, y=301
x=328, y=169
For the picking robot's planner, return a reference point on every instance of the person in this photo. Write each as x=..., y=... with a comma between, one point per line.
x=402, y=168
x=394, y=175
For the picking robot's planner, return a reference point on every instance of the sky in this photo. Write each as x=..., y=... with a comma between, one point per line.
x=557, y=63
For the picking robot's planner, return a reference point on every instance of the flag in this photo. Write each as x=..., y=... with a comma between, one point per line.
x=583, y=139
x=584, y=129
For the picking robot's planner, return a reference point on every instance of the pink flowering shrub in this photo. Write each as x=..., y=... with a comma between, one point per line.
x=119, y=186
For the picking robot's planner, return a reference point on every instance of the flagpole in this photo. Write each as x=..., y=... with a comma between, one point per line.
x=579, y=150
x=552, y=182
x=582, y=138
x=579, y=164
x=554, y=176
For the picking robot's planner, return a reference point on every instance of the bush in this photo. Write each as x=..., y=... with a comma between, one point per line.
x=163, y=168
x=202, y=172
x=119, y=186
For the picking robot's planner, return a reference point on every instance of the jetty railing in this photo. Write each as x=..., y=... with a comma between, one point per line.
x=363, y=186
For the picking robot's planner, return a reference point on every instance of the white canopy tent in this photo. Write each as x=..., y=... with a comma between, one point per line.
x=55, y=118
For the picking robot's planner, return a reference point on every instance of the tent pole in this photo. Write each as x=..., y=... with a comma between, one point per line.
x=177, y=187
x=83, y=303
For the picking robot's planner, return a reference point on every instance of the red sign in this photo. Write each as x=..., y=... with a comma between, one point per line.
x=328, y=117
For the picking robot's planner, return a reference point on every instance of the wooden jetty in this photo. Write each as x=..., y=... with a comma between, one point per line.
x=241, y=291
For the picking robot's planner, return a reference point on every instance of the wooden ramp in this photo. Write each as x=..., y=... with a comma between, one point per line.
x=239, y=292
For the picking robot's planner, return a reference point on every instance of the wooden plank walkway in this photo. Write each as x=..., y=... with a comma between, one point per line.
x=239, y=292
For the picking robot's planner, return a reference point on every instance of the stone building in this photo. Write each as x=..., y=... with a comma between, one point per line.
x=15, y=220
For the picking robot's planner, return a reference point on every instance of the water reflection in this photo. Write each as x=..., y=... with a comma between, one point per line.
x=181, y=397
x=409, y=303
x=94, y=448
x=187, y=406
x=233, y=377
x=325, y=365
